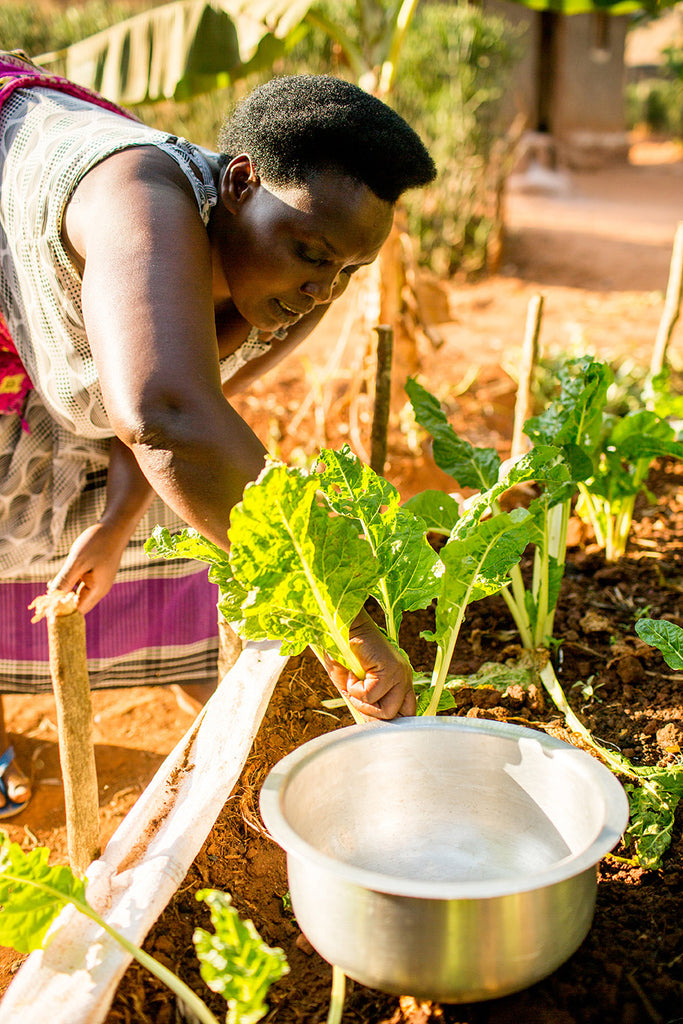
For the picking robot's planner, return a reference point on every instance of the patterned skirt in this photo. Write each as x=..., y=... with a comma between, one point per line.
x=157, y=625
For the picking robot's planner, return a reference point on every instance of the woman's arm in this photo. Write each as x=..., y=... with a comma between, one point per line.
x=148, y=308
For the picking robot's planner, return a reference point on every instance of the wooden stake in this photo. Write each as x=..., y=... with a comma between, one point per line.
x=672, y=304
x=530, y=352
x=69, y=671
x=380, y=417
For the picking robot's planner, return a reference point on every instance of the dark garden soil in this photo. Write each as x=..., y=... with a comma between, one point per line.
x=600, y=256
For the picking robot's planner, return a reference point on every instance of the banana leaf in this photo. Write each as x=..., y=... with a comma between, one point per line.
x=180, y=49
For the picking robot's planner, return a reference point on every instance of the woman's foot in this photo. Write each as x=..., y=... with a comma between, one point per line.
x=15, y=788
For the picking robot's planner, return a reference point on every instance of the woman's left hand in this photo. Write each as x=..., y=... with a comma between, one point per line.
x=387, y=689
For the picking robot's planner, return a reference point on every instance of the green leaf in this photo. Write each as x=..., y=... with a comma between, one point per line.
x=575, y=417
x=32, y=894
x=409, y=569
x=181, y=49
x=306, y=571
x=497, y=676
x=470, y=467
x=667, y=637
x=544, y=464
x=652, y=812
x=438, y=511
x=424, y=695
x=235, y=961
x=666, y=403
x=191, y=544
x=477, y=565
x=187, y=543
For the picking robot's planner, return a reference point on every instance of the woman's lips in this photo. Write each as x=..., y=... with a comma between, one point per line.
x=290, y=314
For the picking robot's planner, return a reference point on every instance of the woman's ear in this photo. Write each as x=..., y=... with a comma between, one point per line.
x=238, y=181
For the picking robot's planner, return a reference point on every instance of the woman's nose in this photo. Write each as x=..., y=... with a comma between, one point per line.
x=321, y=288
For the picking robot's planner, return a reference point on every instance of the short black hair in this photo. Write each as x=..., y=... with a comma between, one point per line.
x=296, y=125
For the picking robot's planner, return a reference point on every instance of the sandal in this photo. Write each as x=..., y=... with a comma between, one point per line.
x=10, y=807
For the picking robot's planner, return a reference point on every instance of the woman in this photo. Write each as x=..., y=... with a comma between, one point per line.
x=143, y=281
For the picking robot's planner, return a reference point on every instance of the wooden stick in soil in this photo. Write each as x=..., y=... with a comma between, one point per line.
x=530, y=353
x=380, y=417
x=672, y=304
x=69, y=671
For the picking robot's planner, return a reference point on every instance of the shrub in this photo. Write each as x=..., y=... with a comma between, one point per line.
x=453, y=84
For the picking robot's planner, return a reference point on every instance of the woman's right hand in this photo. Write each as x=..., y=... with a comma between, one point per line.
x=90, y=566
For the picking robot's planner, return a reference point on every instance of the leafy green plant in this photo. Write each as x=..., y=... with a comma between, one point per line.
x=234, y=961
x=553, y=463
x=453, y=82
x=308, y=547
x=619, y=447
x=622, y=460
x=572, y=428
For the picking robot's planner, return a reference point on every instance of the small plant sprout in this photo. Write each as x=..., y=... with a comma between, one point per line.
x=234, y=961
x=588, y=689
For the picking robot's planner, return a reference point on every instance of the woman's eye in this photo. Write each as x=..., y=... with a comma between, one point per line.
x=309, y=257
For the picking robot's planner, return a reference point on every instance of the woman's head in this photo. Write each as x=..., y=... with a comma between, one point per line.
x=296, y=126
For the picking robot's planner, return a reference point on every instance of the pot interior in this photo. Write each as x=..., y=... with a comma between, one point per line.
x=469, y=803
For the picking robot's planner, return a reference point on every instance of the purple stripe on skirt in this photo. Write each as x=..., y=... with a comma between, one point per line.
x=135, y=614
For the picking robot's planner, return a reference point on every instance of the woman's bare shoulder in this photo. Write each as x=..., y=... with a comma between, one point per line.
x=129, y=187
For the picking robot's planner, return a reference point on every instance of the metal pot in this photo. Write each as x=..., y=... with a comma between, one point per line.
x=447, y=858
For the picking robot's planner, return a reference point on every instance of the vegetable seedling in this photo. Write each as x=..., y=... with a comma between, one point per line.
x=620, y=449
x=553, y=464
x=234, y=961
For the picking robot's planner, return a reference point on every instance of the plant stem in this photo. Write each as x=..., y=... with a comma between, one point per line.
x=358, y=716
x=336, y=1009
x=616, y=762
x=444, y=653
x=517, y=608
x=590, y=504
x=196, y=1005
x=622, y=527
x=557, y=544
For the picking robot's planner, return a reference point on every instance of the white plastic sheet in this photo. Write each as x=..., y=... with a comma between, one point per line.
x=73, y=980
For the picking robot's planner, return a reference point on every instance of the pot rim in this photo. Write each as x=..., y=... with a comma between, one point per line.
x=278, y=779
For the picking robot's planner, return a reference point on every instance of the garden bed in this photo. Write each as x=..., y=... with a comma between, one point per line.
x=630, y=968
